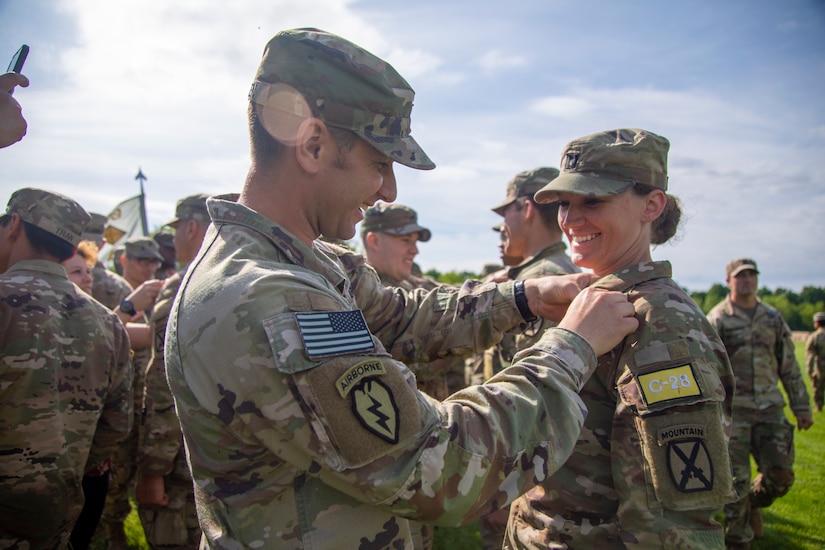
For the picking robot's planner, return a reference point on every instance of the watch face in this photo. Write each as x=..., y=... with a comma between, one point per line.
x=127, y=307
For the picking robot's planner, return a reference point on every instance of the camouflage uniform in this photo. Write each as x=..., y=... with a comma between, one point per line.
x=292, y=446
x=651, y=466
x=160, y=449
x=551, y=261
x=761, y=353
x=124, y=462
x=108, y=287
x=65, y=389
x=815, y=359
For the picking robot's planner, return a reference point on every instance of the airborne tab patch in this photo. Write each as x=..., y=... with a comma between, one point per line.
x=327, y=333
x=355, y=373
x=670, y=383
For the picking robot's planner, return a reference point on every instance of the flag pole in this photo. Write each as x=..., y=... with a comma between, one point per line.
x=144, y=222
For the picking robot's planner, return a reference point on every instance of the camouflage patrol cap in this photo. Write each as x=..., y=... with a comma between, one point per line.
x=819, y=317
x=739, y=265
x=525, y=184
x=142, y=247
x=192, y=207
x=52, y=212
x=347, y=86
x=94, y=229
x=609, y=163
x=393, y=219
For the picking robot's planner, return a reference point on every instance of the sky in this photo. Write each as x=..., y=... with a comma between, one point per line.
x=738, y=87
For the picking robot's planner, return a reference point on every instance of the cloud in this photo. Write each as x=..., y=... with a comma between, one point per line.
x=494, y=61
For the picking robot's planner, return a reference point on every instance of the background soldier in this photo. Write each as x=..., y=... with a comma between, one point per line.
x=140, y=260
x=389, y=234
x=65, y=375
x=761, y=351
x=108, y=287
x=166, y=501
x=815, y=358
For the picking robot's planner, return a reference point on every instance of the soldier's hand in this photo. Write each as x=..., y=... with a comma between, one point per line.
x=144, y=296
x=150, y=490
x=601, y=317
x=550, y=296
x=12, y=124
x=804, y=421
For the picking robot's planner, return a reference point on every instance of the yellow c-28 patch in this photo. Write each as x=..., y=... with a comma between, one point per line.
x=668, y=384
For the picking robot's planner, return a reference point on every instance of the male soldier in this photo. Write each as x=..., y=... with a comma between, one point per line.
x=815, y=358
x=166, y=247
x=65, y=375
x=301, y=428
x=140, y=261
x=166, y=501
x=389, y=234
x=529, y=230
x=108, y=287
x=761, y=351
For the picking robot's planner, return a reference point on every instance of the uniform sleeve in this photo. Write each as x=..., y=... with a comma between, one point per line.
x=160, y=433
x=115, y=422
x=790, y=373
x=671, y=426
x=422, y=325
x=382, y=442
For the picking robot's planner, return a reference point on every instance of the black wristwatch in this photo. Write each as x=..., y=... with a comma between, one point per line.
x=127, y=307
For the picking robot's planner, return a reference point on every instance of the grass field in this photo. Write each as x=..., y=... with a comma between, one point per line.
x=796, y=521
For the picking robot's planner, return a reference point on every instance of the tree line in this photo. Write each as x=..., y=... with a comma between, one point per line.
x=797, y=308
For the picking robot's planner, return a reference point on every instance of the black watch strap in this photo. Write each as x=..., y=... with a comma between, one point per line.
x=521, y=302
x=127, y=307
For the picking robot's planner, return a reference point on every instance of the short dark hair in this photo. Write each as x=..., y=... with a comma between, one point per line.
x=42, y=241
x=548, y=211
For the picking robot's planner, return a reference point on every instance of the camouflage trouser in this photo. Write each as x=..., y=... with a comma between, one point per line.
x=818, y=385
x=122, y=480
x=174, y=526
x=768, y=436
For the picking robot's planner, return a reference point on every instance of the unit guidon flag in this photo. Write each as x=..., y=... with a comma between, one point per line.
x=328, y=333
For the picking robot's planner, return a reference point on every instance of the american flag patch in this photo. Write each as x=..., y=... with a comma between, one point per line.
x=328, y=333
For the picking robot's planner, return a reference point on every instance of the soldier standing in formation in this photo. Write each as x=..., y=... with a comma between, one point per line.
x=761, y=351
x=815, y=359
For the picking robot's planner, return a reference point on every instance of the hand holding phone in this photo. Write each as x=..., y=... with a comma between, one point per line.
x=17, y=61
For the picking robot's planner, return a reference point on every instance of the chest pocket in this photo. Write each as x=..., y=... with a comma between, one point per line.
x=677, y=400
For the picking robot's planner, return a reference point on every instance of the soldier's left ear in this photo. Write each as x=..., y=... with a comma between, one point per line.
x=655, y=203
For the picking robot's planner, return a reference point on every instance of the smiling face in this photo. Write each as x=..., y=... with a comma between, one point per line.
x=392, y=255
x=79, y=272
x=607, y=233
x=356, y=179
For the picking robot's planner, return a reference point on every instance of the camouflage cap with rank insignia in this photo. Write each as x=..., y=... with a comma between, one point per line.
x=52, y=212
x=306, y=71
x=609, y=163
x=393, y=219
x=525, y=184
x=192, y=207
